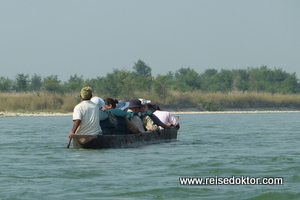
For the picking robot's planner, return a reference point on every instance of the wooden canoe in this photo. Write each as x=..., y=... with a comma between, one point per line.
x=123, y=141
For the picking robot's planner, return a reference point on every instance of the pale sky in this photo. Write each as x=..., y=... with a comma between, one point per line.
x=92, y=37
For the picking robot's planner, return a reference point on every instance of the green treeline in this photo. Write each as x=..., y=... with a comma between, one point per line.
x=123, y=83
x=185, y=88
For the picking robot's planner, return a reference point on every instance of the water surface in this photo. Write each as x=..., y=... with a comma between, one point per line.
x=36, y=165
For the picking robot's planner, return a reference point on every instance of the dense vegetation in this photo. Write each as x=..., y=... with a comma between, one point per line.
x=250, y=87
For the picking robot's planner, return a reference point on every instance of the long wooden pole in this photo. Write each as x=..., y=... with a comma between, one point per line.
x=70, y=139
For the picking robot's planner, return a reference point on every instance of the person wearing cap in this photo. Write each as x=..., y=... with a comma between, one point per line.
x=85, y=115
x=133, y=111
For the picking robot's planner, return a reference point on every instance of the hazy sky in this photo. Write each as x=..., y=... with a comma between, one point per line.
x=92, y=37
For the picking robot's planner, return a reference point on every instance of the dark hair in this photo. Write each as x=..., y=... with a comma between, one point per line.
x=156, y=107
x=111, y=101
x=149, y=106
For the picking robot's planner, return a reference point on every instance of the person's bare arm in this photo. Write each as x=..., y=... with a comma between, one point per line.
x=75, y=126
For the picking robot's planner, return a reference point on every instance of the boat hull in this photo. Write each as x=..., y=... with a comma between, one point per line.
x=123, y=141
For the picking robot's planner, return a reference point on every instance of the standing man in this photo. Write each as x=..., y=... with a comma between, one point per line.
x=85, y=115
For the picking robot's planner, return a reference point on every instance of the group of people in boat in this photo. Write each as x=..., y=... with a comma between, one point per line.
x=94, y=115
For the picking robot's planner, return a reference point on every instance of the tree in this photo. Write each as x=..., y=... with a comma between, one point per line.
x=170, y=75
x=223, y=81
x=210, y=72
x=187, y=79
x=256, y=80
x=289, y=85
x=118, y=83
x=240, y=80
x=52, y=84
x=141, y=69
x=160, y=86
x=22, y=82
x=36, y=83
x=5, y=84
x=208, y=79
x=96, y=84
x=75, y=83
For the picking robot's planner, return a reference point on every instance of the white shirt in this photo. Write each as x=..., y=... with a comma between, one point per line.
x=165, y=117
x=88, y=113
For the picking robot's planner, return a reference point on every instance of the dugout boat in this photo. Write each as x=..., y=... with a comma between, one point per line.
x=123, y=141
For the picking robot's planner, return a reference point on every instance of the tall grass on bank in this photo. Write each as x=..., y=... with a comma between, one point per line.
x=218, y=101
x=177, y=101
x=37, y=102
x=251, y=100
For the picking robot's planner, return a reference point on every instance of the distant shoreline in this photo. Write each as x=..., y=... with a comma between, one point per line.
x=44, y=114
x=237, y=110
x=36, y=114
x=224, y=112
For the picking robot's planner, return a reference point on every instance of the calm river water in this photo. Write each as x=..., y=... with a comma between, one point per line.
x=36, y=165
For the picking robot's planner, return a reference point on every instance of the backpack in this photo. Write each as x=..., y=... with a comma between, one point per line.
x=113, y=121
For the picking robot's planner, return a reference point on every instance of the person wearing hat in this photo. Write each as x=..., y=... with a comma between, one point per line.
x=122, y=105
x=98, y=101
x=133, y=111
x=86, y=115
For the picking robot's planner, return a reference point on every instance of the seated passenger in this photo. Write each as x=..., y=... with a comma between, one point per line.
x=112, y=120
x=98, y=101
x=110, y=103
x=122, y=105
x=133, y=111
x=165, y=117
x=149, y=111
x=148, y=123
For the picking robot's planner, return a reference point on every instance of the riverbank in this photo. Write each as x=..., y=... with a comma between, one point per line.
x=53, y=104
x=39, y=114
x=258, y=110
